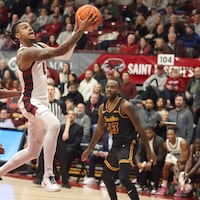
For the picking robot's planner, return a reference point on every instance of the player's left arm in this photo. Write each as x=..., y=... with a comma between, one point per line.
x=185, y=152
x=129, y=110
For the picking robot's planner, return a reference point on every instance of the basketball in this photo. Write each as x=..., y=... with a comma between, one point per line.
x=83, y=13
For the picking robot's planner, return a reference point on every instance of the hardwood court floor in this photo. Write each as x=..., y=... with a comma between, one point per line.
x=23, y=189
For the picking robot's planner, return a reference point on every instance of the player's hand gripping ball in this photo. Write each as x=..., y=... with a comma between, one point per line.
x=83, y=12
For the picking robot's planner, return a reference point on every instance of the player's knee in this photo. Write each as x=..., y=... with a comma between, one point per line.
x=34, y=153
x=105, y=175
x=123, y=178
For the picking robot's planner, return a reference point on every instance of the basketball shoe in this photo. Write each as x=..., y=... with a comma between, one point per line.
x=49, y=183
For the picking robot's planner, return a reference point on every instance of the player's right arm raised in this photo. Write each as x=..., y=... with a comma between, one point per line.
x=28, y=55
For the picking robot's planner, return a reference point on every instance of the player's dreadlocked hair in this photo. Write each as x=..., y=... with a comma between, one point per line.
x=13, y=32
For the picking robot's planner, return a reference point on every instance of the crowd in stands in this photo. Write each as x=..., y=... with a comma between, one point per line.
x=165, y=106
x=171, y=26
x=168, y=108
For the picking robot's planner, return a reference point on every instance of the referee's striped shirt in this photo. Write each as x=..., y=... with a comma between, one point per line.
x=57, y=107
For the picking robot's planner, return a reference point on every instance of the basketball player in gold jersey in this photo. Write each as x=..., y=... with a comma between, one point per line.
x=123, y=123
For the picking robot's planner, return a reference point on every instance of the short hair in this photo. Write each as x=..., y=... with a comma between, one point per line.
x=13, y=31
x=149, y=128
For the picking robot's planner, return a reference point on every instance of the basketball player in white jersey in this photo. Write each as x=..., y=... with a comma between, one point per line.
x=43, y=126
x=177, y=154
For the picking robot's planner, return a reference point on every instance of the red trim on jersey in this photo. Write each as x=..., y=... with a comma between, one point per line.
x=28, y=88
x=28, y=106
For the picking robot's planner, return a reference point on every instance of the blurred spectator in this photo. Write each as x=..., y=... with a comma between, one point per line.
x=140, y=27
x=16, y=85
x=109, y=74
x=144, y=48
x=154, y=85
x=174, y=85
x=3, y=67
x=83, y=120
x=99, y=74
x=149, y=175
x=160, y=104
x=17, y=7
x=149, y=116
x=157, y=22
x=178, y=28
x=159, y=46
x=91, y=109
x=141, y=8
x=163, y=126
x=41, y=20
x=110, y=11
x=6, y=42
x=3, y=16
x=191, y=41
x=69, y=11
x=97, y=157
x=191, y=87
x=73, y=94
x=52, y=41
x=56, y=13
x=161, y=5
x=87, y=84
x=159, y=33
x=70, y=105
x=54, y=3
x=131, y=45
x=150, y=21
x=63, y=36
x=168, y=13
x=43, y=4
x=50, y=81
x=7, y=80
x=52, y=28
x=14, y=19
x=177, y=154
x=127, y=87
x=63, y=75
x=28, y=10
x=174, y=46
x=72, y=78
x=68, y=146
x=196, y=22
x=183, y=118
x=67, y=20
x=5, y=120
x=31, y=18
x=98, y=89
x=117, y=76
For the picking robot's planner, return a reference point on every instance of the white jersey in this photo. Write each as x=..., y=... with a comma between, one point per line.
x=34, y=85
x=175, y=149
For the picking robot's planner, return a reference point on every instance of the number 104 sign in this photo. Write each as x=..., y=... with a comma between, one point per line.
x=165, y=59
